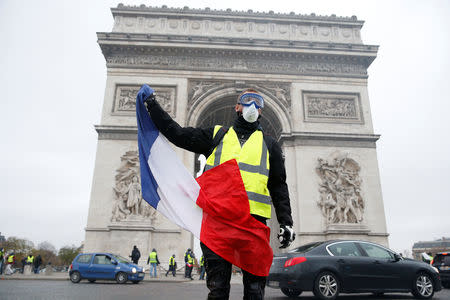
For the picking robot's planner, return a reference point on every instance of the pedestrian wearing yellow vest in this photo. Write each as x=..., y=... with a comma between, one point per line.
x=30, y=259
x=154, y=261
x=202, y=268
x=190, y=264
x=172, y=266
x=261, y=164
x=10, y=260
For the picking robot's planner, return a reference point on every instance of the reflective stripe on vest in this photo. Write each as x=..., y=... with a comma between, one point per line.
x=172, y=261
x=253, y=161
x=11, y=258
x=153, y=258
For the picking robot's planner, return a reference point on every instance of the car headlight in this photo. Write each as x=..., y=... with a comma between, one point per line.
x=143, y=270
x=133, y=270
x=436, y=269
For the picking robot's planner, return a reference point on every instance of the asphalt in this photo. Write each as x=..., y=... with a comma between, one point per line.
x=65, y=276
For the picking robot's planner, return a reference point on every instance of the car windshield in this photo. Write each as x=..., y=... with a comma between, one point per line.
x=306, y=248
x=121, y=259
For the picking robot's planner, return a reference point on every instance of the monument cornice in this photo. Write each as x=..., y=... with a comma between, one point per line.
x=142, y=39
x=230, y=14
x=113, y=132
x=330, y=139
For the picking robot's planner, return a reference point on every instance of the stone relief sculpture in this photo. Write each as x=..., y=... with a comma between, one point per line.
x=128, y=203
x=329, y=107
x=125, y=101
x=336, y=108
x=340, y=190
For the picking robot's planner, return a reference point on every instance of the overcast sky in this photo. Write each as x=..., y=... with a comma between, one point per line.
x=52, y=81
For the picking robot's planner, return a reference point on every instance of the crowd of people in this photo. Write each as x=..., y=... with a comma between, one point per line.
x=8, y=263
x=189, y=263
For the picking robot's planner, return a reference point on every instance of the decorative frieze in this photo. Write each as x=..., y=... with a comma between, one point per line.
x=340, y=201
x=234, y=61
x=125, y=99
x=332, y=107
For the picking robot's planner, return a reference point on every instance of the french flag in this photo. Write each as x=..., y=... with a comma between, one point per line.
x=214, y=207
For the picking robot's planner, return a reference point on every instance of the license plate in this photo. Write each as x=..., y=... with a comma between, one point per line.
x=141, y=275
x=445, y=268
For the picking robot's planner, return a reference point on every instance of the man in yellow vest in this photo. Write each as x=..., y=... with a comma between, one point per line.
x=9, y=267
x=202, y=268
x=30, y=259
x=261, y=163
x=154, y=261
x=172, y=266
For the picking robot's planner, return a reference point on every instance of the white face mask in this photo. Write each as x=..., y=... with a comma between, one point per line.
x=250, y=113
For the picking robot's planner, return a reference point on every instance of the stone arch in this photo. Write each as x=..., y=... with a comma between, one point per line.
x=275, y=113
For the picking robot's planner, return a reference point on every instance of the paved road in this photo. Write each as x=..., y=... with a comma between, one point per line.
x=42, y=289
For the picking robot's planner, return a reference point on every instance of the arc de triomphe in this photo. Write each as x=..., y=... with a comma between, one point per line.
x=312, y=71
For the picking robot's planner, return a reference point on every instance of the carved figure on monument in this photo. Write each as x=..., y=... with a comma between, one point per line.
x=340, y=192
x=128, y=199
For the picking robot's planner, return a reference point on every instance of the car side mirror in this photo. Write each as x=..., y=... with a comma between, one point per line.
x=114, y=262
x=397, y=257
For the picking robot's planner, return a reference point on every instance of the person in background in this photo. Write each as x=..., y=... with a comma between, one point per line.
x=135, y=255
x=11, y=260
x=2, y=258
x=188, y=251
x=154, y=261
x=172, y=266
x=37, y=263
x=190, y=264
x=202, y=267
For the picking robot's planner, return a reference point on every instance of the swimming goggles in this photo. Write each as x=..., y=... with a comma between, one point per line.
x=251, y=98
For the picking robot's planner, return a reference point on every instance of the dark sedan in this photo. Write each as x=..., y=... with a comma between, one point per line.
x=333, y=267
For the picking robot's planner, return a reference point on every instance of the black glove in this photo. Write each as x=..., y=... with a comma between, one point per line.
x=149, y=99
x=286, y=236
x=147, y=93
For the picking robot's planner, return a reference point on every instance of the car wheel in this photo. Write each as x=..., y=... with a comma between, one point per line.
x=326, y=286
x=423, y=287
x=135, y=281
x=91, y=280
x=291, y=292
x=121, y=277
x=75, y=277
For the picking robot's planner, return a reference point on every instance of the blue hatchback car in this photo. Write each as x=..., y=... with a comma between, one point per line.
x=93, y=266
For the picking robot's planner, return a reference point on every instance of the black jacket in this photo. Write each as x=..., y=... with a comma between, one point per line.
x=135, y=254
x=200, y=140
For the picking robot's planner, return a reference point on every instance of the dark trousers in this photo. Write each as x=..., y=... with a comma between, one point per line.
x=173, y=270
x=189, y=271
x=218, y=276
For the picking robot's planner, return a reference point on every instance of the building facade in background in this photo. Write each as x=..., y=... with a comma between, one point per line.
x=430, y=247
x=312, y=71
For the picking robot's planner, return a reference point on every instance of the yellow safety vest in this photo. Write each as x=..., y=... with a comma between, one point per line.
x=202, y=261
x=172, y=261
x=190, y=259
x=30, y=259
x=153, y=258
x=253, y=161
x=11, y=259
